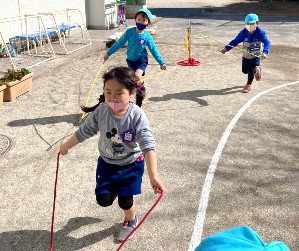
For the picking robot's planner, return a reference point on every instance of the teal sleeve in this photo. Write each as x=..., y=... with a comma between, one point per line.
x=266, y=43
x=118, y=44
x=153, y=49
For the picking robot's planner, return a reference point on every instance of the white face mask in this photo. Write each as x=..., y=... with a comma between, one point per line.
x=117, y=106
x=250, y=27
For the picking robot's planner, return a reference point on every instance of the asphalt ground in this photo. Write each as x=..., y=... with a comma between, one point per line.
x=245, y=144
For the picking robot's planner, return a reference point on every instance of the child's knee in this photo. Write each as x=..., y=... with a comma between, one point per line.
x=125, y=202
x=105, y=200
x=245, y=70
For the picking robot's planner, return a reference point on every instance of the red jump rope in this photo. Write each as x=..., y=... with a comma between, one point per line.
x=124, y=241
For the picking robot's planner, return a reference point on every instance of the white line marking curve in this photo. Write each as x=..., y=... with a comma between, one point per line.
x=204, y=199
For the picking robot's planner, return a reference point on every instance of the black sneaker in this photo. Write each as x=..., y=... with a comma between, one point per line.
x=127, y=228
x=140, y=95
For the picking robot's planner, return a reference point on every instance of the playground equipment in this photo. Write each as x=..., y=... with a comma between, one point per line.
x=25, y=42
x=67, y=30
x=187, y=44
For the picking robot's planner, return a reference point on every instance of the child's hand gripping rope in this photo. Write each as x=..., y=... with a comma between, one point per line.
x=224, y=50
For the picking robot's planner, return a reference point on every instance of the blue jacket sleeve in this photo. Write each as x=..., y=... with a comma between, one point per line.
x=266, y=43
x=118, y=44
x=238, y=39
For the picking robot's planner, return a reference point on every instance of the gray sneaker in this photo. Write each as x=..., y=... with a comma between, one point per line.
x=127, y=228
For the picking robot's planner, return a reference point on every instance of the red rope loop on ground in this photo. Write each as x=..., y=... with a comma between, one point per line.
x=143, y=219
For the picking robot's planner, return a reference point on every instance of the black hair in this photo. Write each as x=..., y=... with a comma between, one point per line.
x=124, y=76
x=144, y=15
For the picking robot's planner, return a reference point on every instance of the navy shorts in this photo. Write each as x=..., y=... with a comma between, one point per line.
x=119, y=180
x=141, y=64
x=246, y=63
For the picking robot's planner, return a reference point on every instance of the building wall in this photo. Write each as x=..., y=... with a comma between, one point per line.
x=95, y=13
x=11, y=8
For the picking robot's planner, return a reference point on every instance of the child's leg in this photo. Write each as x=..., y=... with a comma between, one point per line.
x=258, y=70
x=130, y=213
x=246, y=70
x=105, y=188
x=250, y=67
x=251, y=71
x=245, y=65
x=105, y=200
x=127, y=204
x=139, y=67
x=140, y=93
x=130, y=185
x=139, y=73
x=131, y=221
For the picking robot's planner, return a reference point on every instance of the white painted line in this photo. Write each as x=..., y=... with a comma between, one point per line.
x=203, y=203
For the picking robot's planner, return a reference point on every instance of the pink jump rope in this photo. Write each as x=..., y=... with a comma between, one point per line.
x=124, y=241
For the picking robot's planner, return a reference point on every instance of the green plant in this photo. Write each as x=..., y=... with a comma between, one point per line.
x=12, y=75
x=25, y=71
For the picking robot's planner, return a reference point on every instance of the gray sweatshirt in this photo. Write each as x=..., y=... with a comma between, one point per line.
x=121, y=140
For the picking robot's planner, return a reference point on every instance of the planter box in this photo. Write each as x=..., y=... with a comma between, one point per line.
x=16, y=88
x=2, y=87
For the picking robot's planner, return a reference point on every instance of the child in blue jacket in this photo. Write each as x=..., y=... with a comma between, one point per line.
x=256, y=43
x=137, y=57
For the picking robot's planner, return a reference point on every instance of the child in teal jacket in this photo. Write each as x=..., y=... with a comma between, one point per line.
x=137, y=56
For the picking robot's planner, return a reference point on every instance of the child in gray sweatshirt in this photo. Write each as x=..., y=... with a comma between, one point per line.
x=126, y=140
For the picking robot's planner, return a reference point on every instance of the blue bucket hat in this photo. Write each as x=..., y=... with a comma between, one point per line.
x=148, y=13
x=251, y=18
x=239, y=238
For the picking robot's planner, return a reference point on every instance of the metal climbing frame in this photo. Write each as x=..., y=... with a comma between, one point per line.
x=24, y=42
x=67, y=30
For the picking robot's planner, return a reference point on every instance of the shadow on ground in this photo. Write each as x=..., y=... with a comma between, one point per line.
x=37, y=240
x=196, y=94
x=69, y=118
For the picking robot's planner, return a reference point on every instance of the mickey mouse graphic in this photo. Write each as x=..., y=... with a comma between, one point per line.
x=117, y=145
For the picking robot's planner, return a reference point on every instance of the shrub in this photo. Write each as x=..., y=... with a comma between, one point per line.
x=12, y=75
